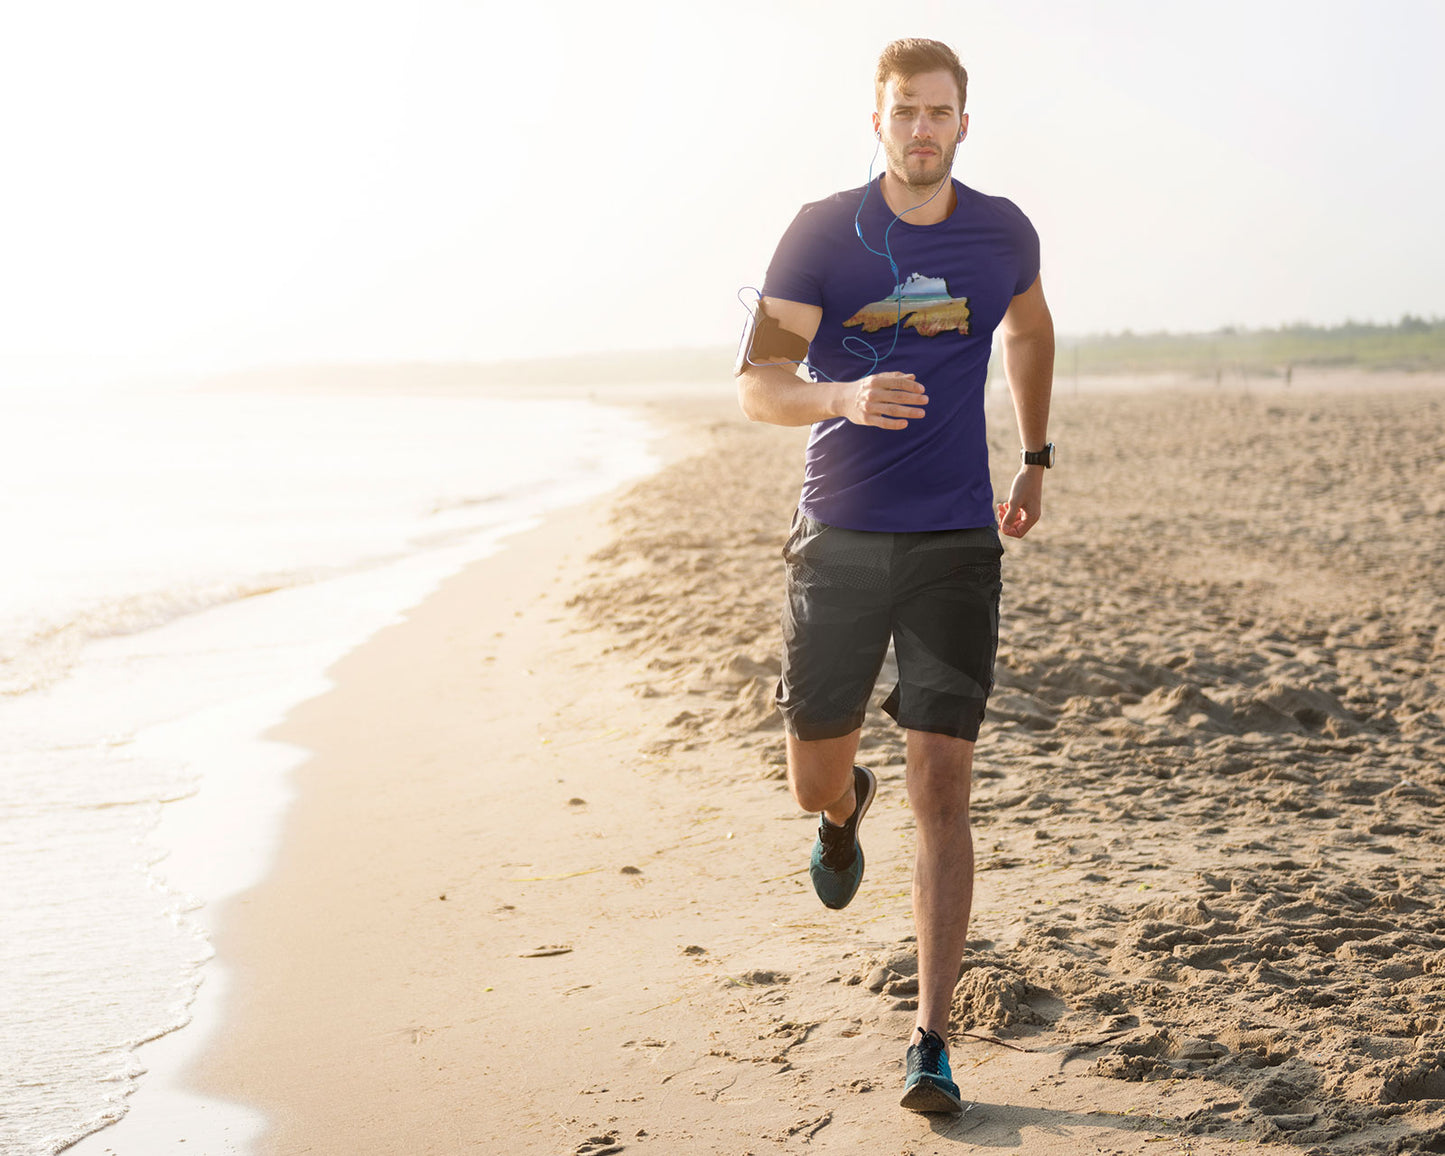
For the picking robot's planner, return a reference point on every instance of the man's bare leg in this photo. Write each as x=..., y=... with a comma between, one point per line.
x=940, y=772
x=820, y=774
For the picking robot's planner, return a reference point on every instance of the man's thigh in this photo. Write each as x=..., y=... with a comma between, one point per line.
x=836, y=626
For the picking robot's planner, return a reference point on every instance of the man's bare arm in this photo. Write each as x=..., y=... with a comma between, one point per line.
x=1028, y=361
x=774, y=393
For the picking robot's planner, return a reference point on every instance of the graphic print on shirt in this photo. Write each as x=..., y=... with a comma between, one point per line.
x=921, y=302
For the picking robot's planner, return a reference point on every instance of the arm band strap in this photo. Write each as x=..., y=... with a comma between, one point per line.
x=764, y=339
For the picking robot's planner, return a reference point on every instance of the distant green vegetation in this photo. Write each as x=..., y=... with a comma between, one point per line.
x=1413, y=343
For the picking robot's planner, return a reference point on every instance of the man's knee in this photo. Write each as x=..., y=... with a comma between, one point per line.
x=940, y=774
x=817, y=795
x=821, y=770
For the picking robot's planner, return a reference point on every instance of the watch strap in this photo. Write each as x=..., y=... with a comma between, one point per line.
x=1043, y=457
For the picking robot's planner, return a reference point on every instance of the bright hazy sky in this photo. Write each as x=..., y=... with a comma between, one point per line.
x=205, y=185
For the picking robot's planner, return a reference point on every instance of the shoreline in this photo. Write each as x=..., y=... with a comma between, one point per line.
x=239, y=809
x=191, y=1113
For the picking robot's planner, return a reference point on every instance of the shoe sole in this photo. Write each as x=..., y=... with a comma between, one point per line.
x=926, y=1096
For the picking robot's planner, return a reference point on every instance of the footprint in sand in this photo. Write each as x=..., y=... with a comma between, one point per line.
x=603, y=1145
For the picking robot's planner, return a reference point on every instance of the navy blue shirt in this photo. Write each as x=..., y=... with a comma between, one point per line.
x=934, y=318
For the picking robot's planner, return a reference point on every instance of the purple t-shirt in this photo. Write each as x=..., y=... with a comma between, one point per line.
x=955, y=281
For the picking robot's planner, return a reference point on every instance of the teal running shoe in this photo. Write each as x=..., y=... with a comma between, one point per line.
x=929, y=1086
x=837, y=863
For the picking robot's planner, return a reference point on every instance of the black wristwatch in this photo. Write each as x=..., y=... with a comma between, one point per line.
x=1043, y=457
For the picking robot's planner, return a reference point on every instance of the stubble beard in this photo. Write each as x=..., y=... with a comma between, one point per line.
x=920, y=180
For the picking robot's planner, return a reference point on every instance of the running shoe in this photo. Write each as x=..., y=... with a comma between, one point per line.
x=837, y=863
x=929, y=1086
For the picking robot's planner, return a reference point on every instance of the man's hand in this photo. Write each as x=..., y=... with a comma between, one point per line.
x=887, y=400
x=1024, y=507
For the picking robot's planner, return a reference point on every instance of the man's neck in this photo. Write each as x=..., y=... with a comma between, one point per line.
x=902, y=199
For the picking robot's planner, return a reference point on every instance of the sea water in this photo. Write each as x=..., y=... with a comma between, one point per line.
x=180, y=567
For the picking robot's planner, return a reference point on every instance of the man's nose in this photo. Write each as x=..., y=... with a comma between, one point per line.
x=922, y=128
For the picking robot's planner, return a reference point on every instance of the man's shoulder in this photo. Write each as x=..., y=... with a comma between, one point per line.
x=980, y=204
x=839, y=206
x=810, y=250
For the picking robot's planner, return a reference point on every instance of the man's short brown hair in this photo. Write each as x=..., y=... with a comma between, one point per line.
x=913, y=56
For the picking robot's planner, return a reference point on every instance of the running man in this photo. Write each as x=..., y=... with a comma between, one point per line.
x=892, y=293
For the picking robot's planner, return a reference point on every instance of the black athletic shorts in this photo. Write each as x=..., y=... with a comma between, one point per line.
x=935, y=594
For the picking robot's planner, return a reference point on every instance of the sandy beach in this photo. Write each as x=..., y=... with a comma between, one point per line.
x=543, y=889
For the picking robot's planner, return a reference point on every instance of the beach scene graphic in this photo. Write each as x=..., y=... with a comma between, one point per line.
x=921, y=302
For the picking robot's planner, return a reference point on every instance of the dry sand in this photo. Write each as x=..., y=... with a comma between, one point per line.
x=544, y=890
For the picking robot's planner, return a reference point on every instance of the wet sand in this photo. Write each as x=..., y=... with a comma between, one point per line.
x=544, y=889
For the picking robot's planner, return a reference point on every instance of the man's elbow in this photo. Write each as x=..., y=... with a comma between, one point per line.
x=748, y=399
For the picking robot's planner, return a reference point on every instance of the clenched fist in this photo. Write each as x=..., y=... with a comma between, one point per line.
x=887, y=400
